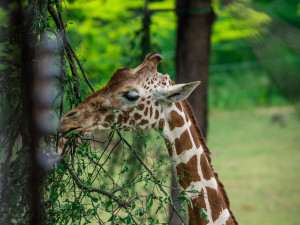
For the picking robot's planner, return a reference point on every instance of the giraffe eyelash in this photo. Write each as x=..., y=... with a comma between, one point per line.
x=131, y=96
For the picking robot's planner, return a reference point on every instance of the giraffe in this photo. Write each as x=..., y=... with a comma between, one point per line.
x=144, y=98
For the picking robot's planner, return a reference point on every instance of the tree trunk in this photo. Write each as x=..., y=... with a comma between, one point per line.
x=21, y=170
x=195, y=19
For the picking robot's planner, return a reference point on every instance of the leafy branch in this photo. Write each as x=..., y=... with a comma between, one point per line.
x=150, y=172
x=80, y=185
x=71, y=55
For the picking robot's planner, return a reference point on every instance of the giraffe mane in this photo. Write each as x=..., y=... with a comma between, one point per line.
x=188, y=108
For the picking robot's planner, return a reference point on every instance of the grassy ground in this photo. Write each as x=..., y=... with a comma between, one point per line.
x=257, y=156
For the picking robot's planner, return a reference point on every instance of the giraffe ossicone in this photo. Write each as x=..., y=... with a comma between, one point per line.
x=142, y=97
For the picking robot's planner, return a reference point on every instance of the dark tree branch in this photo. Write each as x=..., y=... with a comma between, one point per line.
x=71, y=55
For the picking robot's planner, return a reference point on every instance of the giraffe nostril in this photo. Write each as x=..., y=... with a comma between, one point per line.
x=71, y=114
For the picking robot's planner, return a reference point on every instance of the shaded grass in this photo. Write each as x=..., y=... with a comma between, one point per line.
x=257, y=156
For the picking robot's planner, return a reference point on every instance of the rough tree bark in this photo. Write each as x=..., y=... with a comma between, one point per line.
x=195, y=19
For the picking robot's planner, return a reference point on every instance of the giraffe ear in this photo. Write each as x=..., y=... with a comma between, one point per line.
x=175, y=93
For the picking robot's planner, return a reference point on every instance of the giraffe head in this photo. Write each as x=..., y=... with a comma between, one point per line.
x=132, y=98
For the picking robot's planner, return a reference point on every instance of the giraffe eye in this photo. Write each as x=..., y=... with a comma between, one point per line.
x=131, y=95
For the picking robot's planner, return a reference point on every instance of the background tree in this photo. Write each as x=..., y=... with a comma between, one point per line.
x=195, y=19
x=23, y=77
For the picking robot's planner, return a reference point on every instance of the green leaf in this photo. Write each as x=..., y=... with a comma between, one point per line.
x=182, y=192
x=128, y=219
x=108, y=204
x=59, y=9
x=203, y=213
x=140, y=212
x=189, y=201
x=169, y=198
x=94, y=199
x=158, y=208
x=133, y=206
x=125, y=169
x=150, y=203
x=182, y=176
x=95, y=156
x=181, y=212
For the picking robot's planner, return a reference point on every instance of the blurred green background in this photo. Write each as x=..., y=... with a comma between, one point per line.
x=253, y=85
x=254, y=79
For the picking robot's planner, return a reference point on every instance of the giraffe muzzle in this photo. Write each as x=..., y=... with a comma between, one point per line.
x=68, y=131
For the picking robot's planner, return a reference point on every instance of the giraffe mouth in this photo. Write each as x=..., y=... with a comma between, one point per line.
x=68, y=131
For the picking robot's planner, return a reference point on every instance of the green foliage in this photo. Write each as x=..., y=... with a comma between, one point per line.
x=109, y=37
x=92, y=164
x=252, y=62
x=238, y=21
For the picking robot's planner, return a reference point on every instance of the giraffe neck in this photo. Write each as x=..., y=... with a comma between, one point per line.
x=194, y=171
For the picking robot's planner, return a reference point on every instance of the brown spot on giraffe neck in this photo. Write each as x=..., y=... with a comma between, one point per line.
x=143, y=122
x=178, y=105
x=146, y=111
x=186, y=116
x=132, y=122
x=151, y=111
x=141, y=106
x=216, y=203
x=96, y=119
x=137, y=116
x=156, y=114
x=188, y=172
x=125, y=116
x=194, y=213
x=161, y=123
x=205, y=167
x=175, y=120
x=183, y=143
x=169, y=147
x=230, y=221
x=110, y=118
x=195, y=137
x=120, y=118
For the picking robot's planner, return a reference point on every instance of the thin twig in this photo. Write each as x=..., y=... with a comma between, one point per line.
x=80, y=185
x=149, y=171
